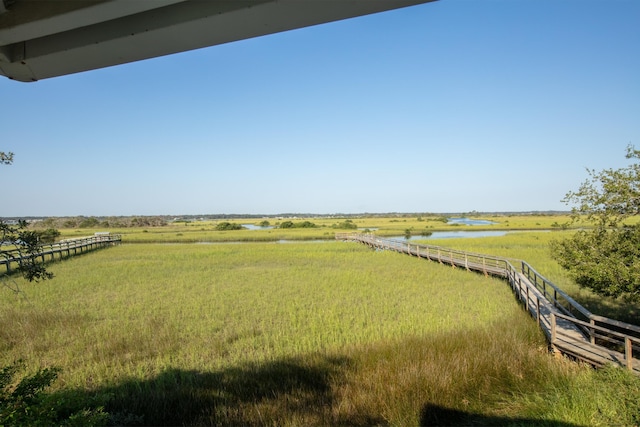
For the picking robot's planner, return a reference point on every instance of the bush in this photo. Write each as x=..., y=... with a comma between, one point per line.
x=24, y=402
x=346, y=225
x=226, y=226
x=90, y=222
x=303, y=224
x=49, y=235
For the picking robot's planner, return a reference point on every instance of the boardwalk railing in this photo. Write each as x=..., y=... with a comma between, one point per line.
x=570, y=328
x=11, y=259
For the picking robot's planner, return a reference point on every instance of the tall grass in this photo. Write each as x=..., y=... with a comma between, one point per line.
x=533, y=247
x=296, y=334
x=205, y=231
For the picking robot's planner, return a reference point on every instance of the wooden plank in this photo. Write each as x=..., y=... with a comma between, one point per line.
x=566, y=334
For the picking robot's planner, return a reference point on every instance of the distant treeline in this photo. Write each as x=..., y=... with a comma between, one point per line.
x=160, y=220
x=100, y=222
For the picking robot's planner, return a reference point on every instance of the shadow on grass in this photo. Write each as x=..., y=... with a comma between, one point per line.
x=434, y=415
x=255, y=394
x=617, y=309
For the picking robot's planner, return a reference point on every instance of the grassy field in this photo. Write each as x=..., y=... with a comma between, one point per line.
x=302, y=334
x=533, y=247
x=205, y=231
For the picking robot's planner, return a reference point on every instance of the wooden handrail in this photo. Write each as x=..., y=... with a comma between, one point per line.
x=15, y=256
x=555, y=299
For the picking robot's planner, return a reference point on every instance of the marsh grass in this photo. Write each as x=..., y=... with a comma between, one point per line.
x=296, y=334
x=533, y=247
x=205, y=231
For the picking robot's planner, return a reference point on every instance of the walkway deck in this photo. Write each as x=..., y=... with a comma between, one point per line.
x=570, y=328
x=11, y=259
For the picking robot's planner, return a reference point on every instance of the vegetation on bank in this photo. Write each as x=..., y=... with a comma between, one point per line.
x=228, y=226
x=314, y=334
x=323, y=228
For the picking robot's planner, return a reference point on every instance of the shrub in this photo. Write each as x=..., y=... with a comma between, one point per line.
x=49, y=235
x=24, y=402
x=346, y=225
x=90, y=222
x=226, y=226
x=303, y=224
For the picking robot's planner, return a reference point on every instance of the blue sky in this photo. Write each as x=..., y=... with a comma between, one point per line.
x=450, y=106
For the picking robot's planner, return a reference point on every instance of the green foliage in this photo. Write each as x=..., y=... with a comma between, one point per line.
x=345, y=225
x=609, y=197
x=303, y=224
x=27, y=244
x=50, y=235
x=90, y=222
x=145, y=221
x=264, y=223
x=605, y=261
x=102, y=222
x=606, y=258
x=407, y=233
x=23, y=401
x=226, y=226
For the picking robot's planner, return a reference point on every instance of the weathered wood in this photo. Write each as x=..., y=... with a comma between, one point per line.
x=566, y=333
x=83, y=244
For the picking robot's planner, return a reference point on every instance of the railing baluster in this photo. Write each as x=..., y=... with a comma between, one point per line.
x=527, y=281
x=553, y=330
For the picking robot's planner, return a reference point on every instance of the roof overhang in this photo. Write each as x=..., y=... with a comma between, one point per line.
x=43, y=38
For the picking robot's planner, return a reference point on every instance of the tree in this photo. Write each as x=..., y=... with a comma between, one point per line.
x=605, y=257
x=23, y=401
x=23, y=242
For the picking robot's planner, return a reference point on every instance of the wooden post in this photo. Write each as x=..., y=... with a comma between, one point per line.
x=553, y=330
x=592, y=337
x=538, y=310
x=628, y=353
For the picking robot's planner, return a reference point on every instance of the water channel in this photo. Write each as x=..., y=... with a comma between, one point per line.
x=434, y=235
x=453, y=235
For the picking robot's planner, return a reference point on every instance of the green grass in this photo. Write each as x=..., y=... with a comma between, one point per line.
x=298, y=334
x=533, y=247
x=205, y=231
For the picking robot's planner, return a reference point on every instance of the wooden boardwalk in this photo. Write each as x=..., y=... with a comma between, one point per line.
x=570, y=328
x=12, y=258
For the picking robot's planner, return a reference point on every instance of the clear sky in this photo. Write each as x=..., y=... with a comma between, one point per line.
x=450, y=106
